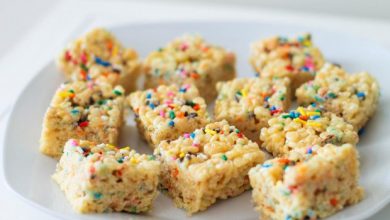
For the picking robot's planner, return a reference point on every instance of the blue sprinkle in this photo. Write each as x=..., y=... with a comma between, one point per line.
x=97, y=195
x=75, y=111
x=266, y=98
x=152, y=106
x=305, y=69
x=171, y=123
x=361, y=131
x=88, y=77
x=288, y=217
x=361, y=95
x=314, y=117
x=102, y=62
x=309, y=150
x=294, y=114
x=266, y=165
x=313, y=104
x=273, y=108
x=149, y=95
x=257, y=74
x=192, y=135
x=183, y=90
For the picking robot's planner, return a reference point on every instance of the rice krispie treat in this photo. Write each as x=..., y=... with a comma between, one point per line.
x=99, y=56
x=190, y=59
x=296, y=58
x=353, y=97
x=248, y=103
x=208, y=164
x=166, y=112
x=82, y=110
x=309, y=184
x=104, y=178
x=305, y=127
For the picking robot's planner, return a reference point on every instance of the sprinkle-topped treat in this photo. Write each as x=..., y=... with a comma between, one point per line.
x=304, y=127
x=208, y=164
x=189, y=59
x=296, y=58
x=309, y=184
x=166, y=112
x=104, y=178
x=99, y=56
x=82, y=110
x=353, y=97
x=248, y=103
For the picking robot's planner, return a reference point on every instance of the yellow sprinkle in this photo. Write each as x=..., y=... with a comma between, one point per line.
x=133, y=160
x=209, y=131
x=299, y=120
x=244, y=92
x=301, y=111
x=314, y=124
x=313, y=113
x=114, y=51
x=181, y=155
x=110, y=146
x=307, y=43
x=126, y=148
x=64, y=94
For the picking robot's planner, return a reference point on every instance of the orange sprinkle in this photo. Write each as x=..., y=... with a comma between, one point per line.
x=196, y=107
x=180, y=115
x=175, y=173
x=333, y=201
x=194, y=75
x=83, y=74
x=284, y=160
x=109, y=45
x=92, y=170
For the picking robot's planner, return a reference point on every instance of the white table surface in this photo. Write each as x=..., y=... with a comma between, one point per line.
x=64, y=19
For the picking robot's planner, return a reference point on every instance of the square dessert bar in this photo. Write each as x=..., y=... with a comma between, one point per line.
x=305, y=127
x=208, y=164
x=99, y=56
x=296, y=58
x=353, y=97
x=82, y=110
x=248, y=103
x=103, y=178
x=309, y=184
x=166, y=112
x=190, y=59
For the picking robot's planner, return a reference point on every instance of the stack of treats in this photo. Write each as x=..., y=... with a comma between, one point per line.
x=312, y=170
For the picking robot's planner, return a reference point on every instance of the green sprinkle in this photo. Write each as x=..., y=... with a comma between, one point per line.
x=332, y=95
x=84, y=67
x=172, y=115
x=286, y=116
x=97, y=195
x=102, y=102
x=152, y=157
x=117, y=92
x=71, y=90
x=281, y=98
x=316, y=88
x=224, y=157
x=75, y=111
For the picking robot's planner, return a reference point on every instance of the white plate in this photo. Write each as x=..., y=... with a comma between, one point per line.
x=28, y=172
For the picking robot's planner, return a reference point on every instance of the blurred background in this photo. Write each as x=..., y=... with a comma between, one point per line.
x=18, y=16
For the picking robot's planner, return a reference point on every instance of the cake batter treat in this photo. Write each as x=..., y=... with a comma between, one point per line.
x=104, y=178
x=305, y=127
x=351, y=96
x=310, y=184
x=99, y=56
x=82, y=110
x=296, y=58
x=248, y=103
x=208, y=164
x=190, y=60
x=166, y=112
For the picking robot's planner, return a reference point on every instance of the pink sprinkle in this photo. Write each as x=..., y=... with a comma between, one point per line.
x=162, y=113
x=83, y=58
x=73, y=143
x=184, y=46
x=170, y=93
x=195, y=144
x=187, y=86
x=169, y=101
x=183, y=73
x=186, y=135
x=90, y=85
x=174, y=158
